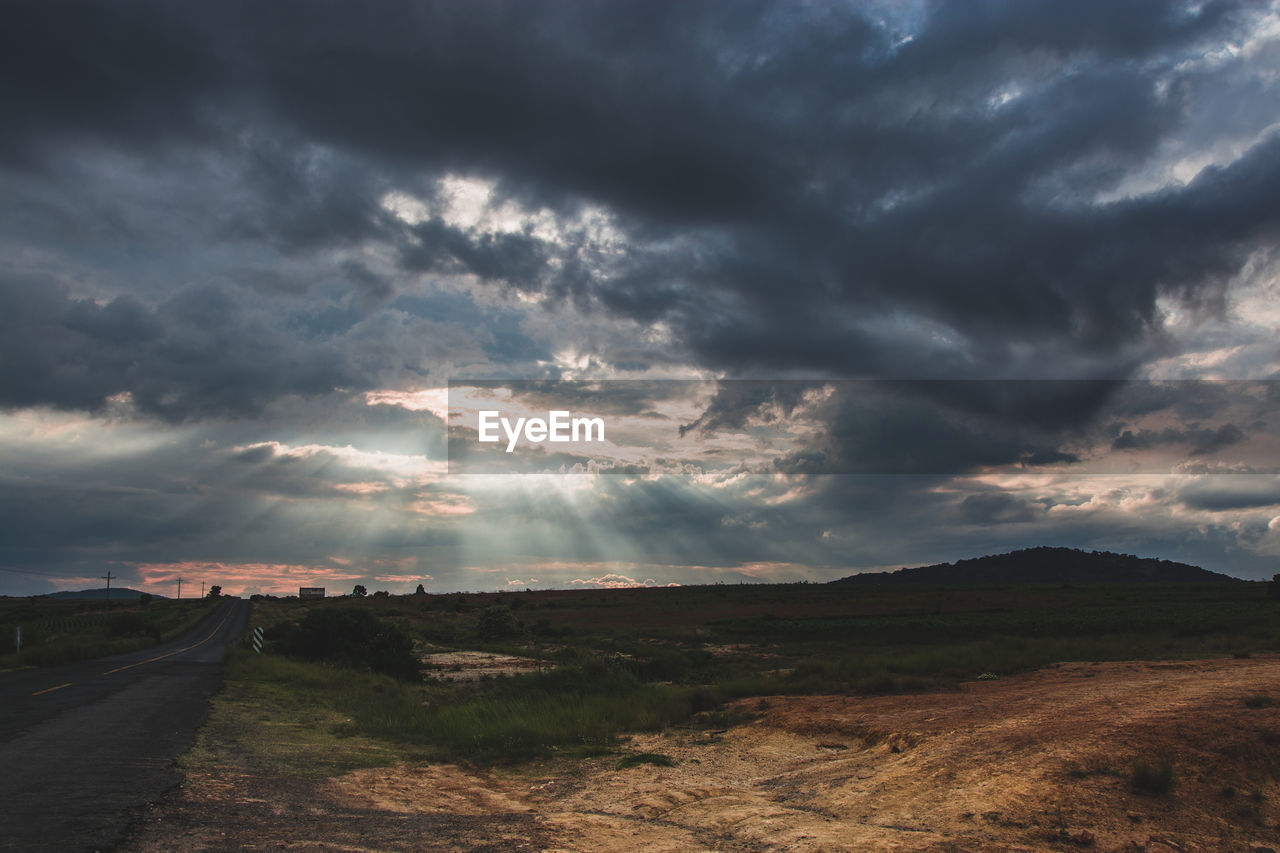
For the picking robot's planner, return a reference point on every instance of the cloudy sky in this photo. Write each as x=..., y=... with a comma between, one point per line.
x=245, y=247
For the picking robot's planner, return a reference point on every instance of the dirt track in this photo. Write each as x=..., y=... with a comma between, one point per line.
x=1035, y=762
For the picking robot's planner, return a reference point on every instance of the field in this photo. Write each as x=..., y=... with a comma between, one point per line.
x=56, y=631
x=796, y=717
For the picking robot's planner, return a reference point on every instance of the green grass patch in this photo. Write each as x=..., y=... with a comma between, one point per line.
x=576, y=711
x=276, y=716
x=572, y=711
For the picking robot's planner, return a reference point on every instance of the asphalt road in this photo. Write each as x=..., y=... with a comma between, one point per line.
x=83, y=745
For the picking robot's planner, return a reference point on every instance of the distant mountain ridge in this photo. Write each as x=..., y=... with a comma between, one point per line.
x=123, y=593
x=1046, y=565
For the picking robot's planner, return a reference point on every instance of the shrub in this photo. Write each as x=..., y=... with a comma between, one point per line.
x=497, y=622
x=130, y=624
x=351, y=637
x=655, y=758
x=1155, y=779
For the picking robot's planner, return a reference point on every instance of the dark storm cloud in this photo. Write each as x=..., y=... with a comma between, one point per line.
x=196, y=216
x=1202, y=441
x=823, y=174
x=515, y=258
x=305, y=199
x=1046, y=404
x=929, y=426
x=915, y=426
x=890, y=428
x=996, y=508
x=128, y=73
x=198, y=353
x=737, y=401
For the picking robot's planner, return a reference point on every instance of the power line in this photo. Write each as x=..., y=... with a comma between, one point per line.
x=27, y=572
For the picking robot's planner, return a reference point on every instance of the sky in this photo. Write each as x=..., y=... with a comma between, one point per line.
x=856, y=285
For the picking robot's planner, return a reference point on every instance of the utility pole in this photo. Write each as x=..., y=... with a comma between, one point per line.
x=179, y=587
x=202, y=589
x=107, y=604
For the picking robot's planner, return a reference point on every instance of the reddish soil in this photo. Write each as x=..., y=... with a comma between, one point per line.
x=1035, y=762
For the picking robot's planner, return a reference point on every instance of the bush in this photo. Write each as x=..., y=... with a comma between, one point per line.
x=1153, y=779
x=497, y=622
x=571, y=710
x=130, y=624
x=350, y=637
x=655, y=758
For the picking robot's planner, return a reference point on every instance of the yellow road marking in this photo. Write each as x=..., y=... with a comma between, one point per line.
x=51, y=689
x=216, y=629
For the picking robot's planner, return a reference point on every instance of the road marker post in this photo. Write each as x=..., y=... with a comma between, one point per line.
x=257, y=640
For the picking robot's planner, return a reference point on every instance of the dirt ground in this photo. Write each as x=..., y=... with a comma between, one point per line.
x=473, y=666
x=1041, y=761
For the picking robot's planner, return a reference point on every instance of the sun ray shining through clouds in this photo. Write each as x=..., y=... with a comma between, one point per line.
x=251, y=255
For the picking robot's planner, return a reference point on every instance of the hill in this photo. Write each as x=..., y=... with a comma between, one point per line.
x=1046, y=565
x=121, y=593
